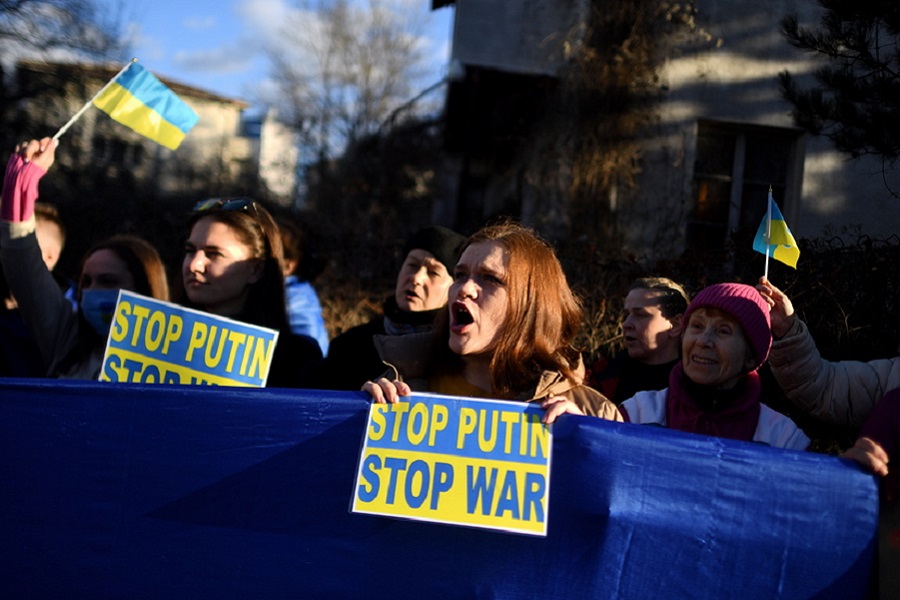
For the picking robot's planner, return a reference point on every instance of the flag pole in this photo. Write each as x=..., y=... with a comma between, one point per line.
x=87, y=104
x=768, y=230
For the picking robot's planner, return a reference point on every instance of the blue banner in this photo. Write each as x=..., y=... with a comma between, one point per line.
x=137, y=491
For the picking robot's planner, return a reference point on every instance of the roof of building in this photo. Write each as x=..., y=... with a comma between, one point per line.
x=105, y=72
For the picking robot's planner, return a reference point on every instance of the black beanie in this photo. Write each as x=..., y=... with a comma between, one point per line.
x=445, y=244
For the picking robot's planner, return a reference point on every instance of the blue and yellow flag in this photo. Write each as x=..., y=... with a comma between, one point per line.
x=779, y=243
x=137, y=99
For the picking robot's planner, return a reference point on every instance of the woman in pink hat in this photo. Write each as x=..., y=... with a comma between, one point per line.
x=715, y=389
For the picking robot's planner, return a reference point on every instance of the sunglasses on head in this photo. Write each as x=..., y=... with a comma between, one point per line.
x=233, y=205
x=226, y=204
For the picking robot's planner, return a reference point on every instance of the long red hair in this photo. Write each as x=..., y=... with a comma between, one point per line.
x=544, y=314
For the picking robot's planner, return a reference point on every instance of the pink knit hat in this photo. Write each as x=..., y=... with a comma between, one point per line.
x=746, y=305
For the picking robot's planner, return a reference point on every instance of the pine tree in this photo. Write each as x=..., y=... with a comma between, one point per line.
x=856, y=103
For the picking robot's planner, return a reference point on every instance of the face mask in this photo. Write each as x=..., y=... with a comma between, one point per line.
x=98, y=307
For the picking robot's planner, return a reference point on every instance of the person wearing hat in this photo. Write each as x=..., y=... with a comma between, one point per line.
x=715, y=389
x=420, y=293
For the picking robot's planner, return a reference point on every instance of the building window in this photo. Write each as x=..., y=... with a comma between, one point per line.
x=733, y=169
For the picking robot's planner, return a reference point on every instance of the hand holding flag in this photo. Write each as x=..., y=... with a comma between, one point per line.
x=140, y=101
x=773, y=238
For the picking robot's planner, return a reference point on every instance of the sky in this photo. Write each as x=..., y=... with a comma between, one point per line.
x=217, y=45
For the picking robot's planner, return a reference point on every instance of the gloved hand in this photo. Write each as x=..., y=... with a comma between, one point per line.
x=23, y=172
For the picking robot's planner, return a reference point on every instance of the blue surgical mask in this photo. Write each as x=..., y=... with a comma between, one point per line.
x=98, y=307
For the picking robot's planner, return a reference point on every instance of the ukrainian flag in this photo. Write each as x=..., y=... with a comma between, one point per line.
x=781, y=244
x=137, y=99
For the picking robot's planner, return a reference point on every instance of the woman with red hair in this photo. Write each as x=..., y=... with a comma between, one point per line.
x=507, y=332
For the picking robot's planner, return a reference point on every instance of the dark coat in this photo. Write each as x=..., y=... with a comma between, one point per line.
x=352, y=358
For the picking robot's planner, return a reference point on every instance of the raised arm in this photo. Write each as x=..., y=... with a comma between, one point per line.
x=26, y=166
x=843, y=392
x=41, y=302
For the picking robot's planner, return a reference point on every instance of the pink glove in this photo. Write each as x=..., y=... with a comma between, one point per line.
x=20, y=189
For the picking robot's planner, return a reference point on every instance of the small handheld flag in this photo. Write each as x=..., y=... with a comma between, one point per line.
x=773, y=238
x=140, y=101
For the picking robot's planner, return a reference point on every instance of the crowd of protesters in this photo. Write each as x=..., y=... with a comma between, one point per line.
x=489, y=316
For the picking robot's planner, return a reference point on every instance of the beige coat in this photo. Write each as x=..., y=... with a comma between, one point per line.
x=842, y=393
x=406, y=356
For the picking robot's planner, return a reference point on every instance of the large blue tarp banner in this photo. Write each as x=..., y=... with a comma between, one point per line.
x=166, y=491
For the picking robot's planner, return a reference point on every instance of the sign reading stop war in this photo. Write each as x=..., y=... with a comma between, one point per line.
x=151, y=341
x=479, y=463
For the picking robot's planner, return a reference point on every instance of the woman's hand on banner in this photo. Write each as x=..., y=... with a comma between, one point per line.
x=558, y=405
x=386, y=391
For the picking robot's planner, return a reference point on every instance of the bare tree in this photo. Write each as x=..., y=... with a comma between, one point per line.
x=585, y=153
x=78, y=27
x=342, y=68
x=53, y=30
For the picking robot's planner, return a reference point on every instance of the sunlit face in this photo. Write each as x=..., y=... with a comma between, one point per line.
x=49, y=238
x=649, y=336
x=479, y=299
x=422, y=283
x=218, y=268
x=104, y=270
x=714, y=349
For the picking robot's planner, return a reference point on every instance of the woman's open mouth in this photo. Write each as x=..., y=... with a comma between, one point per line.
x=460, y=317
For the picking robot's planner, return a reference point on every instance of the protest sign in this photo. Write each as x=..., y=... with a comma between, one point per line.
x=480, y=463
x=151, y=341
